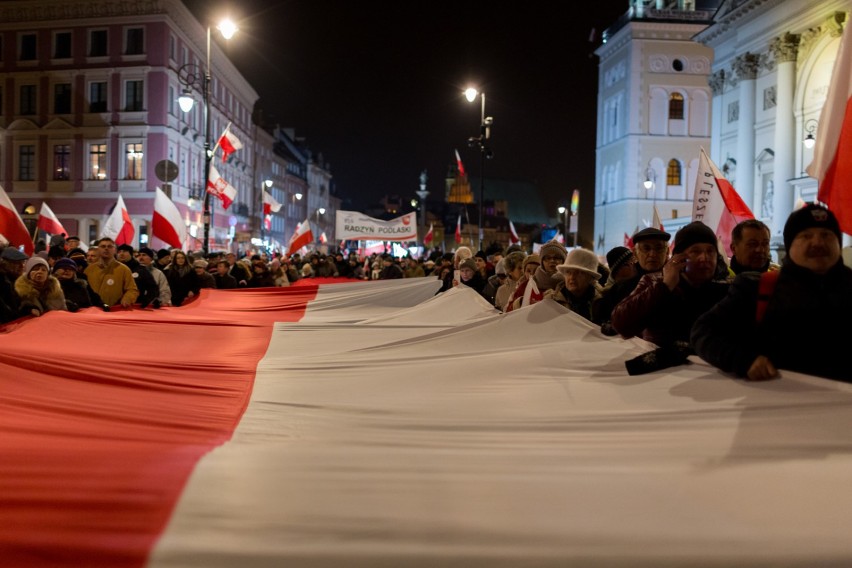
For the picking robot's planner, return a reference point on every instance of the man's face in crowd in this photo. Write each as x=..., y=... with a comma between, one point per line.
x=15, y=267
x=651, y=254
x=222, y=268
x=124, y=255
x=144, y=259
x=700, y=262
x=231, y=258
x=816, y=249
x=106, y=250
x=752, y=250
x=72, y=243
x=92, y=255
x=550, y=262
x=480, y=263
x=64, y=273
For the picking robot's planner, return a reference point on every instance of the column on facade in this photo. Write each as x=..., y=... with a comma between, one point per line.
x=745, y=67
x=784, y=49
x=717, y=87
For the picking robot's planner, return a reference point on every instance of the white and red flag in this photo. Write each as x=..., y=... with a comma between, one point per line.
x=628, y=241
x=12, y=226
x=48, y=222
x=270, y=205
x=458, y=231
x=513, y=234
x=460, y=165
x=220, y=188
x=716, y=203
x=267, y=222
x=832, y=163
x=656, y=222
x=559, y=238
x=119, y=226
x=229, y=143
x=322, y=238
x=427, y=238
x=301, y=237
x=166, y=223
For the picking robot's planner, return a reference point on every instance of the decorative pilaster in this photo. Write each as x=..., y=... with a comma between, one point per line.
x=717, y=82
x=785, y=48
x=746, y=66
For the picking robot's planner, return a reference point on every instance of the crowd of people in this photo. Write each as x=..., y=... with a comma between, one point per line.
x=743, y=314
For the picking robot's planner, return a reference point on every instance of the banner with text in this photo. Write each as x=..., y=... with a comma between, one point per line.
x=351, y=225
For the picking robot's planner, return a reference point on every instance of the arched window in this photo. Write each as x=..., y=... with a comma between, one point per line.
x=676, y=106
x=673, y=173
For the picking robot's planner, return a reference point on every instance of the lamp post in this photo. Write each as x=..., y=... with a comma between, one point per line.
x=484, y=152
x=810, y=127
x=564, y=212
x=192, y=76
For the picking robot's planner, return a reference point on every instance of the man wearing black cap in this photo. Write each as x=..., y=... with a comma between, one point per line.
x=651, y=249
x=665, y=304
x=146, y=258
x=787, y=319
x=148, y=289
x=11, y=267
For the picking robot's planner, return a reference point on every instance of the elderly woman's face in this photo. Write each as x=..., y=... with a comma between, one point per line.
x=38, y=274
x=577, y=281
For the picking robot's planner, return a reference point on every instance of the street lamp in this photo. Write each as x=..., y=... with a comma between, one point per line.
x=810, y=128
x=192, y=76
x=650, y=178
x=564, y=212
x=484, y=152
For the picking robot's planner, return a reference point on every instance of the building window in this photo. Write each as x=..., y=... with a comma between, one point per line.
x=62, y=162
x=98, y=96
x=97, y=161
x=673, y=173
x=133, y=161
x=28, y=47
x=28, y=99
x=133, y=98
x=62, y=98
x=98, y=43
x=62, y=45
x=172, y=99
x=135, y=41
x=172, y=48
x=26, y=162
x=676, y=106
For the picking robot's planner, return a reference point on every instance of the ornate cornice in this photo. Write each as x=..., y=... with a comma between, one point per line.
x=831, y=26
x=52, y=10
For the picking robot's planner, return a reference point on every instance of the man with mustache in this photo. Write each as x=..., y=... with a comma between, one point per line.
x=763, y=326
x=750, y=248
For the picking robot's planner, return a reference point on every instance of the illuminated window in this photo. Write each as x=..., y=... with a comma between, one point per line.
x=676, y=106
x=62, y=162
x=673, y=173
x=97, y=161
x=133, y=161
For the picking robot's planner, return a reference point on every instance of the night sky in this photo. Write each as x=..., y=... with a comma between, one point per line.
x=376, y=87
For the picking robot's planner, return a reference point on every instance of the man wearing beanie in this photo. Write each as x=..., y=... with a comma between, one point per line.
x=783, y=320
x=665, y=304
x=545, y=277
x=148, y=289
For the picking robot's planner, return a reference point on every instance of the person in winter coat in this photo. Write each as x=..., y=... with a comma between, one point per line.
x=530, y=291
x=783, y=319
x=580, y=285
x=180, y=277
x=514, y=267
x=112, y=280
x=38, y=290
x=78, y=293
x=470, y=276
x=261, y=276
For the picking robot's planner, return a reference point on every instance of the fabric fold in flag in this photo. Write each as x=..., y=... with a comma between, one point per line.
x=270, y=205
x=12, y=226
x=832, y=163
x=513, y=234
x=48, y=222
x=166, y=222
x=220, y=188
x=229, y=143
x=119, y=225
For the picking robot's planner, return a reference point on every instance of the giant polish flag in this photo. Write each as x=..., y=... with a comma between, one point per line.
x=716, y=203
x=166, y=223
x=12, y=226
x=832, y=163
x=302, y=237
x=303, y=438
x=49, y=222
x=119, y=225
x=217, y=186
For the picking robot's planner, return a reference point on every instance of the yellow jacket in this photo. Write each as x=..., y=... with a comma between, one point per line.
x=114, y=283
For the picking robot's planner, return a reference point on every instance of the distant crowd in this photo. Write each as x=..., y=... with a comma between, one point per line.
x=741, y=313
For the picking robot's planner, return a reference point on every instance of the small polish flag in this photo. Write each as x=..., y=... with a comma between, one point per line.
x=323, y=239
x=513, y=234
x=459, y=162
x=48, y=222
x=166, y=223
x=229, y=143
x=301, y=237
x=217, y=186
x=12, y=226
x=119, y=226
x=427, y=239
x=458, y=231
x=270, y=206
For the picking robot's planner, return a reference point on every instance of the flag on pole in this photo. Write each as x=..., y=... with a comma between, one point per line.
x=270, y=206
x=513, y=234
x=458, y=231
x=267, y=222
x=559, y=238
x=119, y=226
x=12, y=226
x=460, y=165
x=301, y=237
x=427, y=239
x=716, y=203
x=628, y=241
x=166, y=223
x=832, y=163
x=48, y=222
x=656, y=221
x=322, y=238
x=217, y=186
x=229, y=143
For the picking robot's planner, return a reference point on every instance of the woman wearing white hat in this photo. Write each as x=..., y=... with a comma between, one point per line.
x=580, y=285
